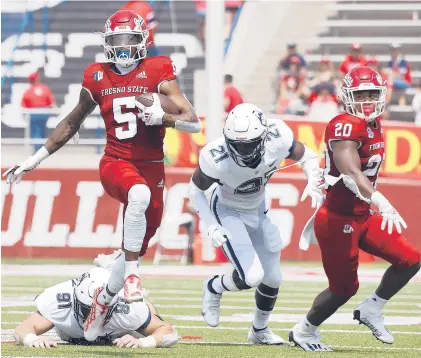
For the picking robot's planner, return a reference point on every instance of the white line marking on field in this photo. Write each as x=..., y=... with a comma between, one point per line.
x=337, y=318
x=288, y=329
x=246, y=343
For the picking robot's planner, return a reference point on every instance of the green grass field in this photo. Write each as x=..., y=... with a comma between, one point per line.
x=178, y=300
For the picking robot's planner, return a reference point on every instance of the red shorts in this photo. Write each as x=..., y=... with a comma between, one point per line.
x=340, y=238
x=118, y=176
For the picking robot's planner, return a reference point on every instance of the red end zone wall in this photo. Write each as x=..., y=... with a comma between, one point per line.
x=65, y=213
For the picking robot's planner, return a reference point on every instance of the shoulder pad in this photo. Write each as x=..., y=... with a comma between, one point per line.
x=211, y=157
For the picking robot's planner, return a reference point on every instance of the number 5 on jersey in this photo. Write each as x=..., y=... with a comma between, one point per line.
x=122, y=118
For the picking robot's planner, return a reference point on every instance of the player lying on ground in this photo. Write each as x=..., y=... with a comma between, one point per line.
x=241, y=162
x=66, y=306
x=354, y=151
x=132, y=168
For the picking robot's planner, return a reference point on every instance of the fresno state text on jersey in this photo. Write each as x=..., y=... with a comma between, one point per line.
x=127, y=136
x=369, y=136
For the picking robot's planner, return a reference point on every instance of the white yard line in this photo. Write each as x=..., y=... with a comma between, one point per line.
x=337, y=318
x=289, y=273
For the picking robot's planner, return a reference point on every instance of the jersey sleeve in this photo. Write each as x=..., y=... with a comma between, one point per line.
x=209, y=158
x=91, y=77
x=167, y=70
x=55, y=302
x=137, y=318
x=282, y=134
x=345, y=127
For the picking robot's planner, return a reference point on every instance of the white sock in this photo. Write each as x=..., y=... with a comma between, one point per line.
x=261, y=319
x=131, y=268
x=377, y=300
x=115, y=282
x=306, y=327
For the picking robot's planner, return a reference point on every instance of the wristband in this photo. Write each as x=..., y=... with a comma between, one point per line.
x=29, y=338
x=41, y=154
x=148, y=342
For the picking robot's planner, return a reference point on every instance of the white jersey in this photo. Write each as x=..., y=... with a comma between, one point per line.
x=243, y=188
x=56, y=304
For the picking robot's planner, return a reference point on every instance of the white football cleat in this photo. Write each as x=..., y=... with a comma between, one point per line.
x=370, y=315
x=93, y=326
x=107, y=261
x=210, y=305
x=132, y=289
x=310, y=342
x=265, y=336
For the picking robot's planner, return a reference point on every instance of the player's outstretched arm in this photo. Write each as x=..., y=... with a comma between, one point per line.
x=347, y=160
x=310, y=163
x=65, y=130
x=68, y=127
x=198, y=184
x=29, y=332
x=187, y=120
x=158, y=333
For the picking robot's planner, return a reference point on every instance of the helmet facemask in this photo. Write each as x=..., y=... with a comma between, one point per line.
x=364, y=103
x=247, y=153
x=125, y=48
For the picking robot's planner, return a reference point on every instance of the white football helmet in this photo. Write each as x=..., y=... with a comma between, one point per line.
x=245, y=133
x=85, y=289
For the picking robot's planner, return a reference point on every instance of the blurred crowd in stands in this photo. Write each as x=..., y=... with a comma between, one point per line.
x=300, y=91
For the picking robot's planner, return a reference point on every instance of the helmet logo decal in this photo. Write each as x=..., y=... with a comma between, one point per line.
x=348, y=80
x=261, y=117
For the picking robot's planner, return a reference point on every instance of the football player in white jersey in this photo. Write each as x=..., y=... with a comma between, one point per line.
x=66, y=306
x=241, y=162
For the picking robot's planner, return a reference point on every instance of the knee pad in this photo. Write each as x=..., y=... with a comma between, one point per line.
x=139, y=197
x=134, y=226
x=272, y=278
x=254, y=276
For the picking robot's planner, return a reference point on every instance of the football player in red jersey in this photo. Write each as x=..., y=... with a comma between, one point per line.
x=354, y=151
x=132, y=168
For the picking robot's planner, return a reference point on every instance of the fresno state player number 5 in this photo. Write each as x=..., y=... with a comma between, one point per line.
x=122, y=118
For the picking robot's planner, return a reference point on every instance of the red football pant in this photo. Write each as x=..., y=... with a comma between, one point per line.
x=118, y=176
x=340, y=238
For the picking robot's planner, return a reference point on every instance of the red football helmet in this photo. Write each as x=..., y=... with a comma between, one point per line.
x=125, y=35
x=363, y=93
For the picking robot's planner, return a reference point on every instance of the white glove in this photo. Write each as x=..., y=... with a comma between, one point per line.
x=16, y=173
x=314, y=187
x=31, y=340
x=151, y=116
x=390, y=216
x=219, y=235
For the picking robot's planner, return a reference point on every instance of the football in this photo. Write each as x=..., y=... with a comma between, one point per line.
x=167, y=105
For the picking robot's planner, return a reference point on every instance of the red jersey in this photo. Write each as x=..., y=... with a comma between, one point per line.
x=371, y=150
x=38, y=95
x=349, y=63
x=127, y=136
x=234, y=97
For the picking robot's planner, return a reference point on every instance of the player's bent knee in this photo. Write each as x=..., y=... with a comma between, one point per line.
x=255, y=276
x=139, y=197
x=272, y=279
x=345, y=290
